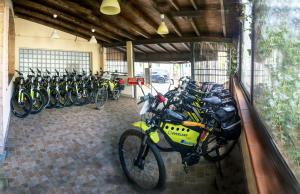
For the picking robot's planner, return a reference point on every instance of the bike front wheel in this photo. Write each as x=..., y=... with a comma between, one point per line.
x=141, y=161
x=21, y=107
x=101, y=97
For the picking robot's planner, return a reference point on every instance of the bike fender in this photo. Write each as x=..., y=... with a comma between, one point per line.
x=142, y=125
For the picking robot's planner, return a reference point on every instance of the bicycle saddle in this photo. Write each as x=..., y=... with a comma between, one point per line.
x=212, y=100
x=189, y=99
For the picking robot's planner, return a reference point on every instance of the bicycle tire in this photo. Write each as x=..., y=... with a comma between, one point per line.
x=160, y=164
x=13, y=101
x=101, y=98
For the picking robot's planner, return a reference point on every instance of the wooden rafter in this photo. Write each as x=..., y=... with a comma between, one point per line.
x=137, y=13
x=49, y=19
x=138, y=49
x=64, y=16
x=167, y=18
x=185, y=46
x=118, y=20
x=194, y=4
x=150, y=48
x=173, y=47
x=86, y=15
x=191, y=20
x=223, y=18
x=172, y=39
x=163, y=47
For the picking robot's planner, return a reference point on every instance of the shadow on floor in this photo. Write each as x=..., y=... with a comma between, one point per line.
x=74, y=150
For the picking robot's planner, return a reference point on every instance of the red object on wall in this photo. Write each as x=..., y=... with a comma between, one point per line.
x=135, y=80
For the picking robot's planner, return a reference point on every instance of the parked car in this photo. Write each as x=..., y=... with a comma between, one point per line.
x=158, y=78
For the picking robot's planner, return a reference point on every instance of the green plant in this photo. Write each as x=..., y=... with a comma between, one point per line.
x=277, y=91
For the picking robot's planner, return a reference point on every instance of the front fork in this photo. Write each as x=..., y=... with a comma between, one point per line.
x=143, y=152
x=20, y=96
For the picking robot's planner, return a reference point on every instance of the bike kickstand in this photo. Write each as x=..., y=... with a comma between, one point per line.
x=219, y=166
x=185, y=167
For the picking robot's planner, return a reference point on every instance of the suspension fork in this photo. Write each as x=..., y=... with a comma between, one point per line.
x=143, y=152
x=20, y=96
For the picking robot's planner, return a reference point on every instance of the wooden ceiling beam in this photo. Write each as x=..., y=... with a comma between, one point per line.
x=64, y=16
x=223, y=18
x=191, y=20
x=174, y=47
x=150, y=48
x=194, y=27
x=167, y=57
x=49, y=19
x=137, y=13
x=185, y=46
x=85, y=14
x=51, y=25
x=194, y=4
x=138, y=49
x=167, y=18
x=176, y=39
x=118, y=20
x=163, y=47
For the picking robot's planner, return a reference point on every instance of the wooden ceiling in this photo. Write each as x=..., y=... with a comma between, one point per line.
x=187, y=20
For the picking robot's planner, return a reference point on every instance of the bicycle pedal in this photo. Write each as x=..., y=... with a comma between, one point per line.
x=185, y=168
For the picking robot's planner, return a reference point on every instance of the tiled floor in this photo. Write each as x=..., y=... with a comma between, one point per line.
x=74, y=150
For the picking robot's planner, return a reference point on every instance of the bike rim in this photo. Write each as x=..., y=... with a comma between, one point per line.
x=146, y=178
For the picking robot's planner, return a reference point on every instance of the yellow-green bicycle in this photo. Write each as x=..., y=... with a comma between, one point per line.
x=139, y=150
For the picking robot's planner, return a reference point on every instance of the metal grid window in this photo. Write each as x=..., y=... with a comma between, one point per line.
x=53, y=59
x=116, y=61
x=212, y=63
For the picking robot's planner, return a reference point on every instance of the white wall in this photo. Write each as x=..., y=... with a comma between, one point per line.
x=5, y=92
x=33, y=35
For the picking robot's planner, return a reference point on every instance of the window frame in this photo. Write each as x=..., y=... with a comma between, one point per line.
x=277, y=158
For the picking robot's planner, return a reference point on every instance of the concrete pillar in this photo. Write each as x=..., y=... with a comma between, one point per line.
x=130, y=63
x=103, y=59
x=5, y=87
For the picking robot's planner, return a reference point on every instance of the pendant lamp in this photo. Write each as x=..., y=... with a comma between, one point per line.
x=162, y=29
x=55, y=35
x=110, y=7
x=93, y=39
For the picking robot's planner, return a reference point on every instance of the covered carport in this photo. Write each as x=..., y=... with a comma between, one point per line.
x=74, y=149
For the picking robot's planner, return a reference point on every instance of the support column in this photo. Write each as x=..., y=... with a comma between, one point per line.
x=193, y=60
x=130, y=63
x=5, y=87
x=103, y=58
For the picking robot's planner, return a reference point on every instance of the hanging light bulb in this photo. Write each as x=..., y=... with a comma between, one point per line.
x=110, y=7
x=55, y=35
x=93, y=39
x=162, y=29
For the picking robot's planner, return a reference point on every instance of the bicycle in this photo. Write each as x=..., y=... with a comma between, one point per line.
x=139, y=150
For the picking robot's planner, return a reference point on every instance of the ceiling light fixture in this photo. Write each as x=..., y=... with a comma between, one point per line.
x=93, y=39
x=110, y=7
x=162, y=29
x=55, y=34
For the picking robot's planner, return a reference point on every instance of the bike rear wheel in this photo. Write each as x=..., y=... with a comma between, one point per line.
x=101, y=97
x=216, y=148
x=141, y=162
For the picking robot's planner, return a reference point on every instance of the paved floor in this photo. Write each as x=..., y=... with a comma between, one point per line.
x=74, y=150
